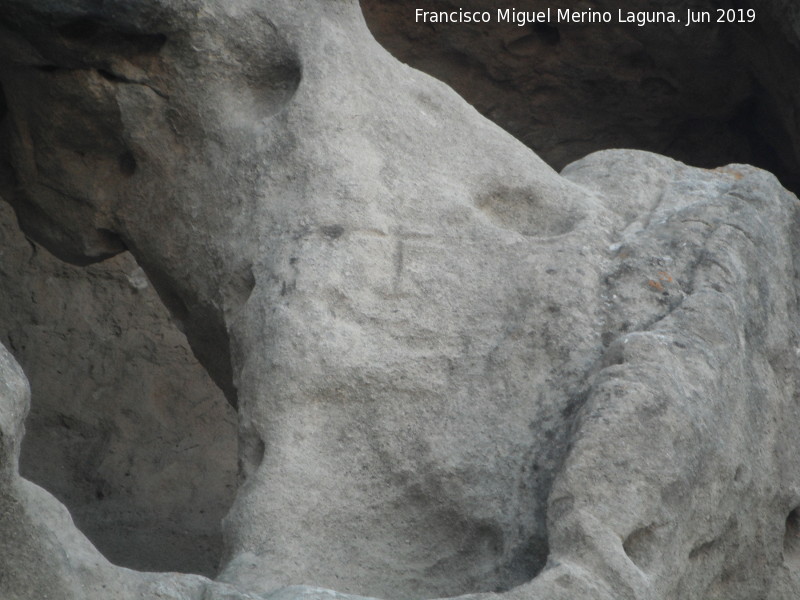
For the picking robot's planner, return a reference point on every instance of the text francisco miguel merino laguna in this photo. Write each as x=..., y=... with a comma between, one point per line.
x=565, y=15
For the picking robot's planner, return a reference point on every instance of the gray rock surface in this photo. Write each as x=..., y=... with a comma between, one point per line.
x=126, y=428
x=456, y=371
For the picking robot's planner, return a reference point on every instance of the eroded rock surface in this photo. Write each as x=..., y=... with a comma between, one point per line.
x=456, y=371
x=126, y=428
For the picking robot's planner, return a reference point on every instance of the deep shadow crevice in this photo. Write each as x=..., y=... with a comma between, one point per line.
x=132, y=437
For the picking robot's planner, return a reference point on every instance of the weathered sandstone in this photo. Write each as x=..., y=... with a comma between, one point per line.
x=126, y=428
x=456, y=371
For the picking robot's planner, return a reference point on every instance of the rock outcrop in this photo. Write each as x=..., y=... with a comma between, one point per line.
x=456, y=371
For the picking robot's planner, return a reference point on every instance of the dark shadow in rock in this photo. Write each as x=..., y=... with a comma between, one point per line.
x=3, y=104
x=126, y=428
x=791, y=540
x=640, y=546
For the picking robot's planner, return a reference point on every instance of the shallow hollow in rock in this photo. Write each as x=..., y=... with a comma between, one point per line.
x=791, y=540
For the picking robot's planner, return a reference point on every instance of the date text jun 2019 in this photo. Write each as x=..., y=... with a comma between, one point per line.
x=564, y=15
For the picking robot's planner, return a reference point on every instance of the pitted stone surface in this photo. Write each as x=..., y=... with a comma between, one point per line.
x=126, y=428
x=456, y=371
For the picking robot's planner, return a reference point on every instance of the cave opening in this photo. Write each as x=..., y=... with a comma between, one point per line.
x=126, y=428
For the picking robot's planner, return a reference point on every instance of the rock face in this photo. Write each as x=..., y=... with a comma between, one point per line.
x=707, y=94
x=126, y=428
x=456, y=371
